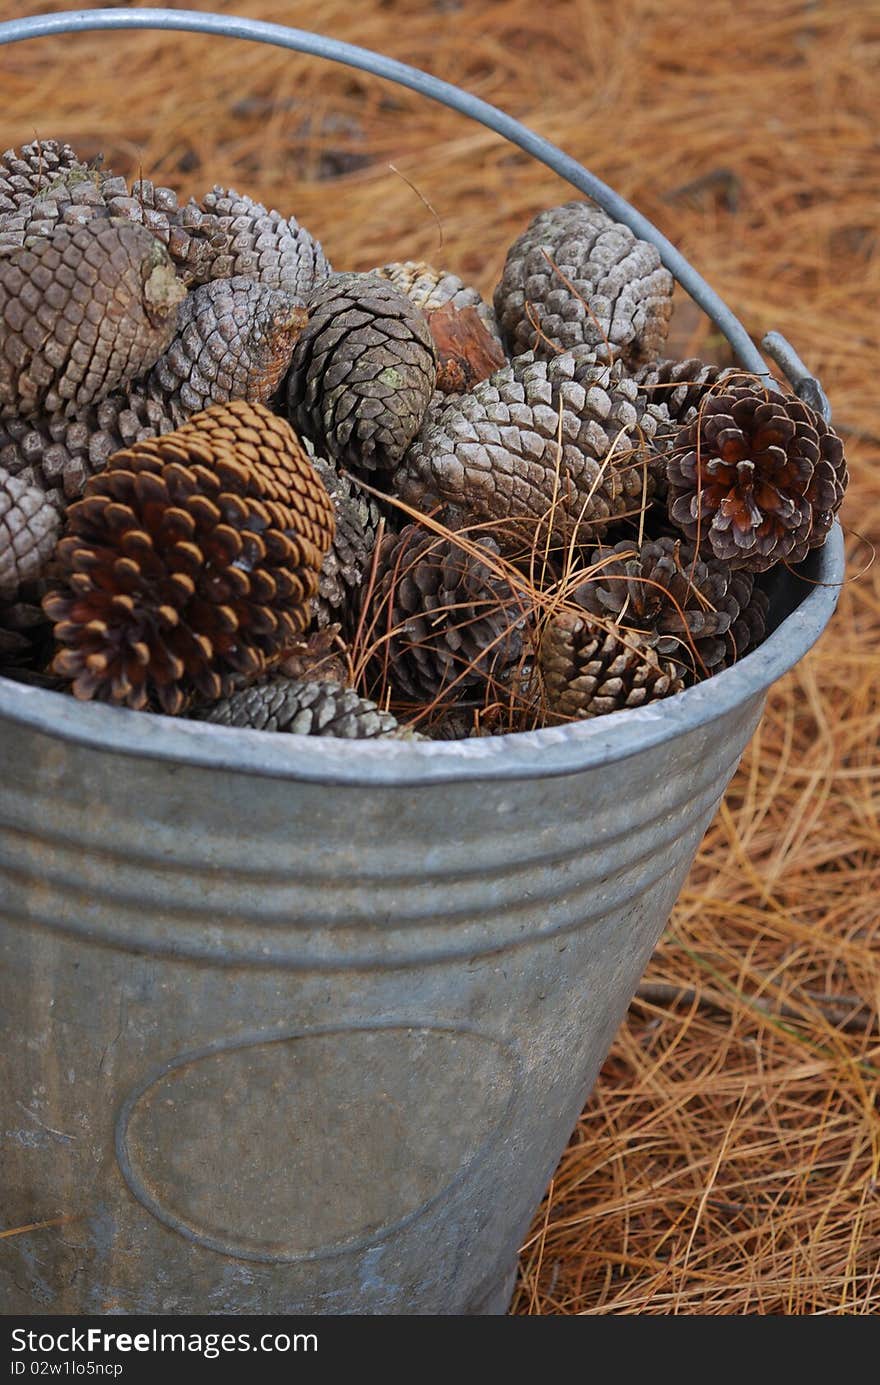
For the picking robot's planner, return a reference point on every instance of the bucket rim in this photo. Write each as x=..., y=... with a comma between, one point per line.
x=548, y=752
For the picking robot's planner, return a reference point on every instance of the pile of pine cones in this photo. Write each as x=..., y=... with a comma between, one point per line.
x=237, y=485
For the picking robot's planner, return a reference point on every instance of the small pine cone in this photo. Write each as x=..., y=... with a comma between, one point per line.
x=495, y=454
x=443, y=620
x=348, y=559
x=320, y=657
x=618, y=298
x=26, y=173
x=697, y=611
x=59, y=454
x=431, y=288
x=588, y=670
x=303, y=709
x=29, y=526
x=756, y=478
x=363, y=372
x=71, y=199
x=81, y=313
x=234, y=340
x=249, y=239
x=680, y=385
x=190, y=562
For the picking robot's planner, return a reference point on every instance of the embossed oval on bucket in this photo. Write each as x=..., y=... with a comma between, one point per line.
x=268, y=1148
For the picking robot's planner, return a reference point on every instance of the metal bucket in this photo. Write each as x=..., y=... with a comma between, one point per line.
x=297, y=1026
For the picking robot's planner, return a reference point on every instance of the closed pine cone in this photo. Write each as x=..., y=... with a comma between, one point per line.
x=680, y=385
x=431, y=288
x=81, y=313
x=303, y=709
x=618, y=298
x=29, y=526
x=495, y=453
x=234, y=340
x=588, y=669
x=262, y=245
x=347, y=564
x=191, y=562
x=443, y=620
x=363, y=372
x=699, y=611
x=756, y=478
x=58, y=453
x=25, y=173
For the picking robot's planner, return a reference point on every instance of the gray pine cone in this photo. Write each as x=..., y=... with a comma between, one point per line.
x=263, y=245
x=26, y=173
x=58, y=454
x=588, y=670
x=363, y=372
x=82, y=312
x=235, y=339
x=620, y=297
x=495, y=453
x=680, y=385
x=347, y=562
x=29, y=527
x=431, y=288
x=303, y=709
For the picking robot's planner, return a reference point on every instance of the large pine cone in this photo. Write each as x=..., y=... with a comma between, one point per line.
x=59, y=454
x=363, y=372
x=495, y=454
x=81, y=313
x=263, y=245
x=191, y=562
x=303, y=709
x=756, y=478
x=618, y=298
x=348, y=559
x=234, y=340
x=25, y=173
x=29, y=526
x=588, y=670
x=698, y=611
x=441, y=619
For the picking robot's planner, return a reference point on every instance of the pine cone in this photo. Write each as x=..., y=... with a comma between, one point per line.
x=25, y=173
x=495, y=454
x=234, y=340
x=697, y=611
x=431, y=288
x=618, y=298
x=363, y=372
x=59, y=454
x=81, y=313
x=303, y=709
x=588, y=670
x=442, y=619
x=191, y=561
x=756, y=478
x=263, y=245
x=29, y=527
x=319, y=657
x=348, y=559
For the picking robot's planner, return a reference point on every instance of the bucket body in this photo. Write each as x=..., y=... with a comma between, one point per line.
x=303, y=1027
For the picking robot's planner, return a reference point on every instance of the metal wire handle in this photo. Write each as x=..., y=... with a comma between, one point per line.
x=301, y=41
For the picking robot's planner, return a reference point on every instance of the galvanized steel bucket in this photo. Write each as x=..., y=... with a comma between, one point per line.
x=298, y=1026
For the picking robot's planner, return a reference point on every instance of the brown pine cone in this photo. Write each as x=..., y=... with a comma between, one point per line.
x=442, y=620
x=319, y=657
x=26, y=173
x=190, y=562
x=348, y=559
x=234, y=340
x=697, y=611
x=588, y=669
x=29, y=526
x=756, y=478
x=59, y=454
x=495, y=453
x=81, y=313
x=263, y=245
x=617, y=298
x=303, y=709
x=363, y=372
x=680, y=385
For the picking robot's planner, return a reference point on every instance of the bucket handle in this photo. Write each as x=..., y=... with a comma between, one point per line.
x=805, y=385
